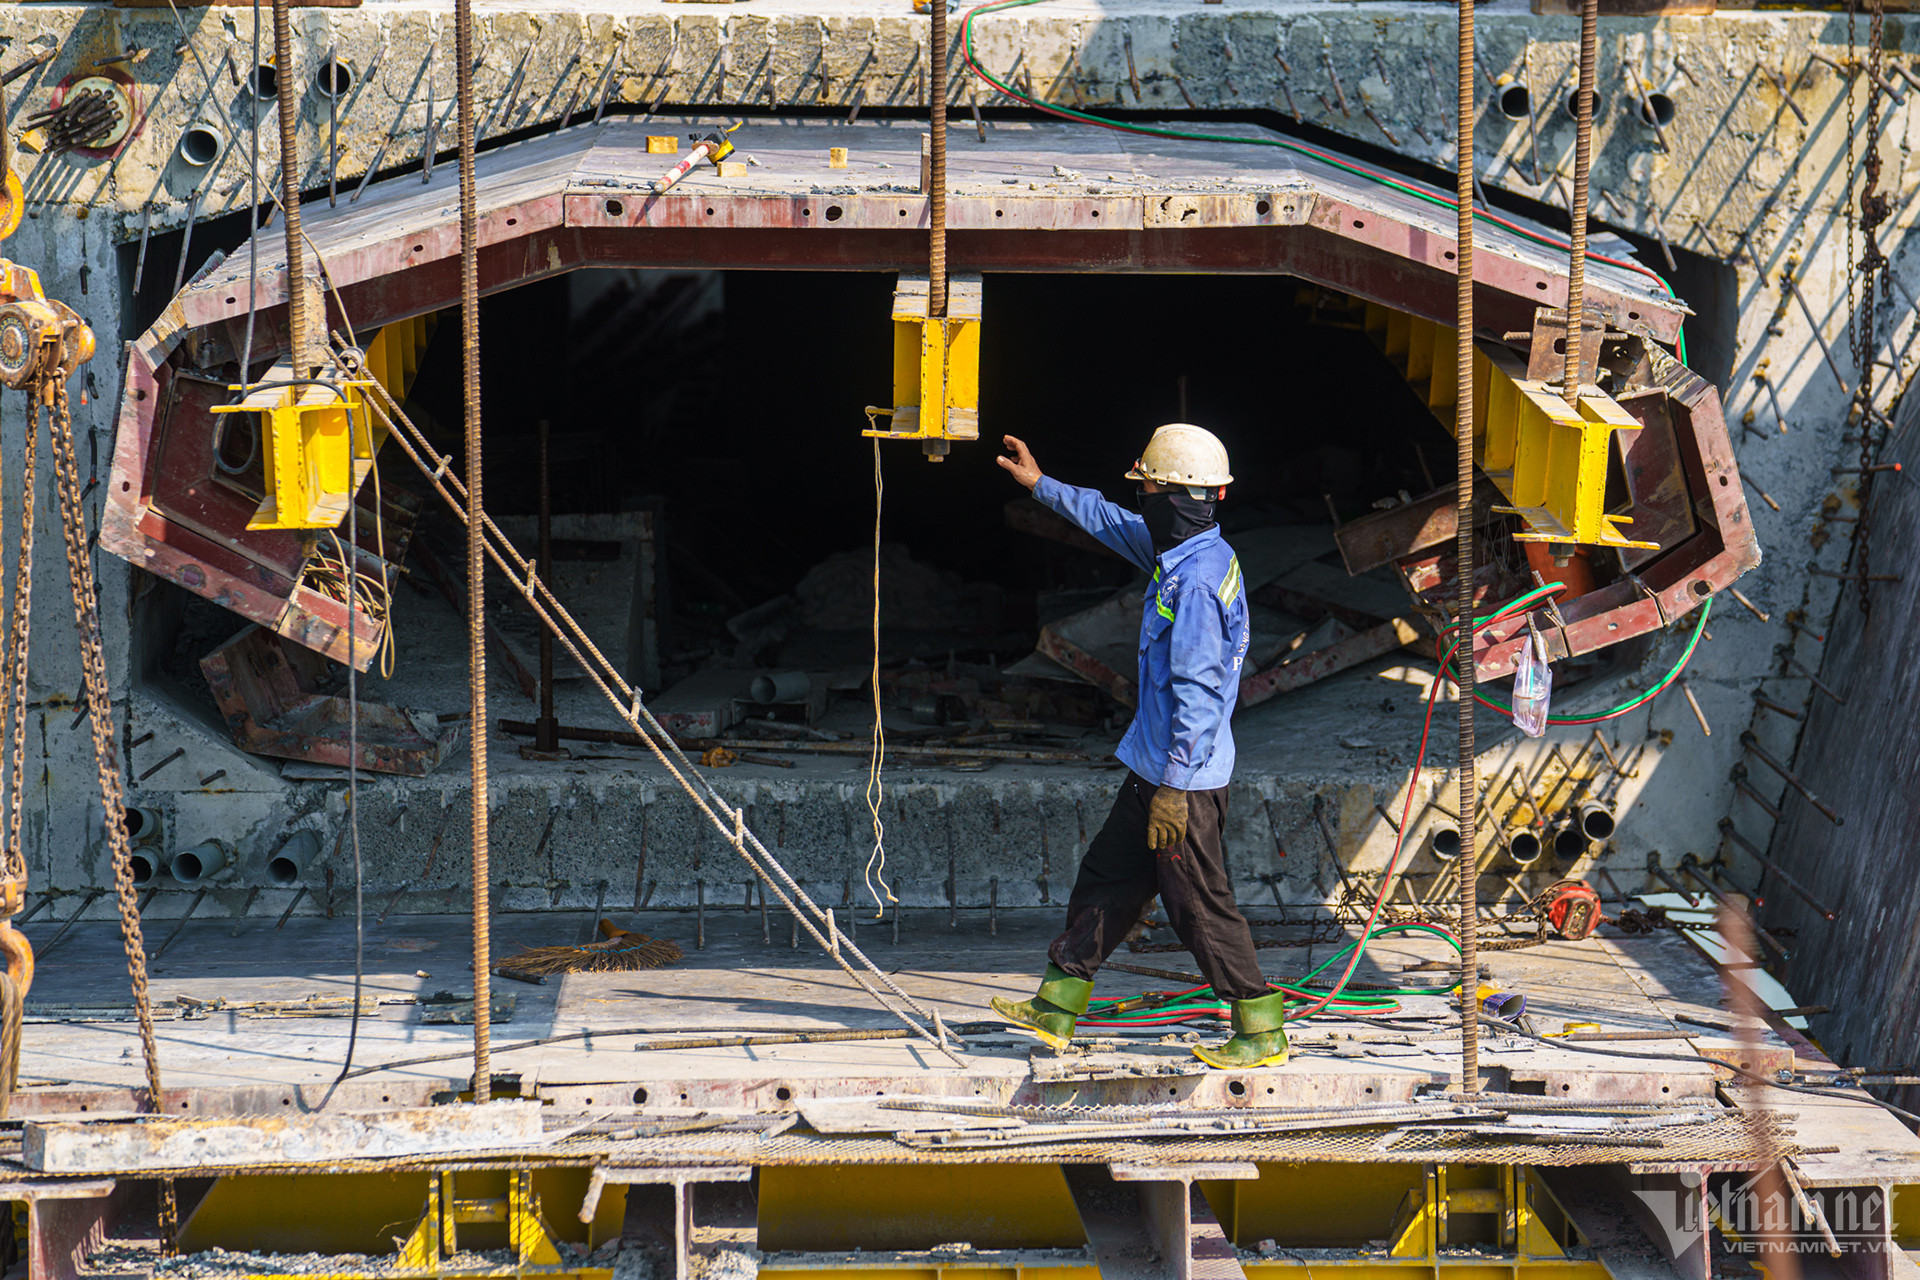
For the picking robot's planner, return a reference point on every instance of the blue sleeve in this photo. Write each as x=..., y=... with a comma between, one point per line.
x=1117, y=528
x=1201, y=667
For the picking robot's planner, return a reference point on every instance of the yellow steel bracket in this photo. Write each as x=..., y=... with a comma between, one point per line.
x=317, y=447
x=936, y=366
x=436, y=1239
x=1522, y=1211
x=1549, y=458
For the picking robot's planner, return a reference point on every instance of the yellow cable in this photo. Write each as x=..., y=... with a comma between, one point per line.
x=876, y=791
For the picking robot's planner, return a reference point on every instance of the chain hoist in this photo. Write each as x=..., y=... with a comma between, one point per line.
x=43, y=343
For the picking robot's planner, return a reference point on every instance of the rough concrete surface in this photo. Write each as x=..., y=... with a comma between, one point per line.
x=1735, y=178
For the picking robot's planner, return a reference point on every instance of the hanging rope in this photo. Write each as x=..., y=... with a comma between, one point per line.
x=876, y=867
x=1463, y=515
x=476, y=557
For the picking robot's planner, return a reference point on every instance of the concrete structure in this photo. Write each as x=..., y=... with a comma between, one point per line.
x=1736, y=183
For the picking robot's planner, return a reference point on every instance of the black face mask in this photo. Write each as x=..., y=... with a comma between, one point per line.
x=1172, y=517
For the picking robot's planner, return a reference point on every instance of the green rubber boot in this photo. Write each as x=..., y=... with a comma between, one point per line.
x=1051, y=1013
x=1259, y=1035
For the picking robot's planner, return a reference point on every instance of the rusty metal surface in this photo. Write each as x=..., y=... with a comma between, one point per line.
x=268, y=693
x=1381, y=537
x=579, y=199
x=1333, y=659
x=1674, y=581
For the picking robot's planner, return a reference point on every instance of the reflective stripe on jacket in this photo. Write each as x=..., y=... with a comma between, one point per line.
x=1193, y=643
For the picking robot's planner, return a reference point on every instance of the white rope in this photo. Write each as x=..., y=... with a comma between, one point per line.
x=876, y=867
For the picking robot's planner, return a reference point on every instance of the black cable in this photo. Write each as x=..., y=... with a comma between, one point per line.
x=349, y=563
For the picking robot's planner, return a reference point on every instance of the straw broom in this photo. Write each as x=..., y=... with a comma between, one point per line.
x=619, y=950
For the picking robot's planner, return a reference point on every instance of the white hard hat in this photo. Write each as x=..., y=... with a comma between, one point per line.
x=1181, y=453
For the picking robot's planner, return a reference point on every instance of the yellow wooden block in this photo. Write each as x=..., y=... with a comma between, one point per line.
x=732, y=169
x=662, y=144
x=836, y=157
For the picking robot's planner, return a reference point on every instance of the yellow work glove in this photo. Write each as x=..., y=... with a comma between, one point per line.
x=1167, y=818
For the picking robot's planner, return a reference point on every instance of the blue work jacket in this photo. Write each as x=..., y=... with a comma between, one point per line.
x=1193, y=642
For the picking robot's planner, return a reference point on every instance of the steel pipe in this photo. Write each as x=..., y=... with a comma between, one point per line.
x=1596, y=820
x=1569, y=840
x=1444, y=843
x=1523, y=846
x=143, y=823
x=202, y=862
x=290, y=864
x=145, y=860
x=1514, y=99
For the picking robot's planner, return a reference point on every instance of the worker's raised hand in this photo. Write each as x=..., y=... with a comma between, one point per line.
x=1020, y=465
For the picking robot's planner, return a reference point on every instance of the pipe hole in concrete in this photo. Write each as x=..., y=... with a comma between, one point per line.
x=833, y=212
x=141, y=823
x=1237, y=1088
x=1263, y=207
x=615, y=208
x=639, y=1097
x=263, y=82
x=144, y=866
x=1702, y=587
x=1445, y=843
x=284, y=870
x=1516, y=101
x=200, y=145
x=188, y=867
x=1569, y=842
x=333, y=78
x=1524, y=847
x=783, y=1094
x=1597, y=822
x=1656, y=109
x=1573, y=104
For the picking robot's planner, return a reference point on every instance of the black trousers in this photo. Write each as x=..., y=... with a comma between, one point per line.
x=1120, y=875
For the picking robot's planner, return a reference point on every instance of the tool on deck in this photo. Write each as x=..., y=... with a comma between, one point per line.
x=714, y=147
x=1573, y=910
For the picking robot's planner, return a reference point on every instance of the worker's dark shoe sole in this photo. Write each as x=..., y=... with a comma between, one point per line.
x=1055, y=1030
x=1242, y=1052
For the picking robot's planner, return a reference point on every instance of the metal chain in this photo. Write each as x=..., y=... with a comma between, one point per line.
x=1874, y=210
x=52, y=393
x=19, y=632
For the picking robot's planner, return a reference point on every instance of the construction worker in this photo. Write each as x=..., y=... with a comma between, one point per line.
x=1164, y=833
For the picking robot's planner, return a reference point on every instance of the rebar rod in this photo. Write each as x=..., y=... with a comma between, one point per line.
x=476, y=555
x=1463, y=499
x=1577, y=207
